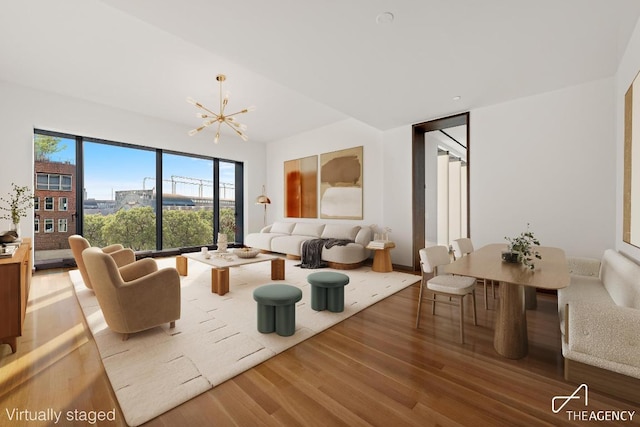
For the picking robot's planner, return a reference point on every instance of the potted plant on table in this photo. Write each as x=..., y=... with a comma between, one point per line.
x=17, y=204
x=521, y=249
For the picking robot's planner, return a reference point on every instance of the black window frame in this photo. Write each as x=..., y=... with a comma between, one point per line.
x=159, y=251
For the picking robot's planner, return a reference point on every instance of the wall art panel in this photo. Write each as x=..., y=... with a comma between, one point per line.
x=341, y=184
x=301, y=187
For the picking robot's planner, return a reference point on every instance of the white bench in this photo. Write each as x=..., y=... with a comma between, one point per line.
x=600, y=323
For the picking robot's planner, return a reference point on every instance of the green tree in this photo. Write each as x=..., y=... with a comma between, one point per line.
x=133, y=228
x=206, y=215
x=228, y=223
x=45, y=146
x=185, y=228
x=93, y=229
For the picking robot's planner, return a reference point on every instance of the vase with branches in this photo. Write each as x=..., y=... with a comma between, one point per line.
x=521, y=249
x=16, y=205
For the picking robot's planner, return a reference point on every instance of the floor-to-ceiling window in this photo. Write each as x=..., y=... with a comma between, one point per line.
x=147, y=199
x=119, y=203
x=227, y=200
x=54, y=196
x=187, y=201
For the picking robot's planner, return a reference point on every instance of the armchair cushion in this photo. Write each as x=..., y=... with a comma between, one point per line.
x=138, y=269
x=123, y=256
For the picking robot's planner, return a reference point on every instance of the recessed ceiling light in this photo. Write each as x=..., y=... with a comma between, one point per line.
x=384, y=18
x=457, y=98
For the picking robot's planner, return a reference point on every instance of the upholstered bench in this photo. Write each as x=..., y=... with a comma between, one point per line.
x=327, y=290
x=277, y=309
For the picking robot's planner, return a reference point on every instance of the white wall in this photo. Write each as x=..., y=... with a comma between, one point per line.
x=398, y=192
x=548, y=160
x=628, y=69
x=338, y=136
x=23, y=109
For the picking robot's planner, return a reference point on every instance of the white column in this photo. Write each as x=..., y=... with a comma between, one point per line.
x=443, y=199
x=454, y=200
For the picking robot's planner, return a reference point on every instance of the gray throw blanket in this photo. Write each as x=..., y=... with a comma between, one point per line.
x=312, y=251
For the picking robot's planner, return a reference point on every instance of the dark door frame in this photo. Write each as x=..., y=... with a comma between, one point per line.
x=418, y=179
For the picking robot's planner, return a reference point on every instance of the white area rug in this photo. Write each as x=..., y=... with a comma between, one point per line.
x=216, y=337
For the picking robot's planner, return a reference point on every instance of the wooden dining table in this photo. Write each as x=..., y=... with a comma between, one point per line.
x=551, y=272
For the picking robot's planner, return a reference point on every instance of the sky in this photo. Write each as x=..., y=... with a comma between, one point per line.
x=110, y=168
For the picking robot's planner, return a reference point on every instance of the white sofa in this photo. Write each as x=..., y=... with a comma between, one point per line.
x=600, y=323
x=288, y=237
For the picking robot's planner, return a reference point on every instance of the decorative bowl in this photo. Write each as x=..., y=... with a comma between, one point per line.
x=246, y=252
x=8, y=236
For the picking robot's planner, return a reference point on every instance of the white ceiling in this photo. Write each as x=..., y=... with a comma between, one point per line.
x=308, y=64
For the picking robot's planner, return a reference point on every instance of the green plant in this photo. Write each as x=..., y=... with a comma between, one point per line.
x=522, y=246
x=20, y=199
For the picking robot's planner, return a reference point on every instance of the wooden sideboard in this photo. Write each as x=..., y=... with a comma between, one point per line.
x=15, y=279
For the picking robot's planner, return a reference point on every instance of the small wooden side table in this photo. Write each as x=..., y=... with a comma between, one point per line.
x=382, y=256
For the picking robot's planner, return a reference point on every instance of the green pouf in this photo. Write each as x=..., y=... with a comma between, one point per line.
x=276, y=308
x=327, y=290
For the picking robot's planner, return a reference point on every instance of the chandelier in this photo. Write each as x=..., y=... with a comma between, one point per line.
x=210, y=117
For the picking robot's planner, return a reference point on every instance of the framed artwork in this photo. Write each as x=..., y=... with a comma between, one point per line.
x=631, y=174
x=341, y=184
x=301, y=188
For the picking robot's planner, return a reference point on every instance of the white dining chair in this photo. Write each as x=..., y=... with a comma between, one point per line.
x=454, y=287
x=462, y=247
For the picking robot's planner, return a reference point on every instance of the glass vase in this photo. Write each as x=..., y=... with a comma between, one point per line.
x=15, y=226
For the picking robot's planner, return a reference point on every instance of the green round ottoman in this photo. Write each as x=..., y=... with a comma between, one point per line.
x=327, y=290
x=277, y=309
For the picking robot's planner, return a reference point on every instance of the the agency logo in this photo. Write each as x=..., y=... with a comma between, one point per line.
x=559, y=402
x=577, y=411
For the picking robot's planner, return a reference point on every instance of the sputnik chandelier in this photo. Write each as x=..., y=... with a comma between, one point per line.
x=210, y=117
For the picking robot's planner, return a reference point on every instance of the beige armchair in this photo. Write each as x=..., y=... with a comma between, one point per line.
x=135, y=297
x=78, y=244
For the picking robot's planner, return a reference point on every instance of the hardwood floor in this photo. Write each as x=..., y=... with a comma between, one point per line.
x=374, y=368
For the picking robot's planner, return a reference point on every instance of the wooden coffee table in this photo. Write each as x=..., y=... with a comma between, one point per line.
x=220, y=270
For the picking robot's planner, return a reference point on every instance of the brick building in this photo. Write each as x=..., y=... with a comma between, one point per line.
x=54, y=204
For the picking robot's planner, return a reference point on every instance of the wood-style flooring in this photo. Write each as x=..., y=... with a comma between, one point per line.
x=374, y=368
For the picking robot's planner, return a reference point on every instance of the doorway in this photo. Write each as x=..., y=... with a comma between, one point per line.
x=440, y=141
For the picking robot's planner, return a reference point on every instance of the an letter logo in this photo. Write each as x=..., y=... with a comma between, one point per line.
x=563, y=400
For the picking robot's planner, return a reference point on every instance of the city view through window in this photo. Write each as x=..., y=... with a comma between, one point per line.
x=120, y=197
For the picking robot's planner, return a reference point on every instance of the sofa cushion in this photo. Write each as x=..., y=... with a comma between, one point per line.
x=604, y=336
x=581, y=288
x=260, y=240
x=581, y=266
x=307, y=229
x=621, y=277
x=352, y=253
x=340, y=231
x=282, y=227
x=289, y=245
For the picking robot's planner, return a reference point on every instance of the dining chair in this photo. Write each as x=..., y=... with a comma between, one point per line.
x=454, y=287
x=462, y=247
